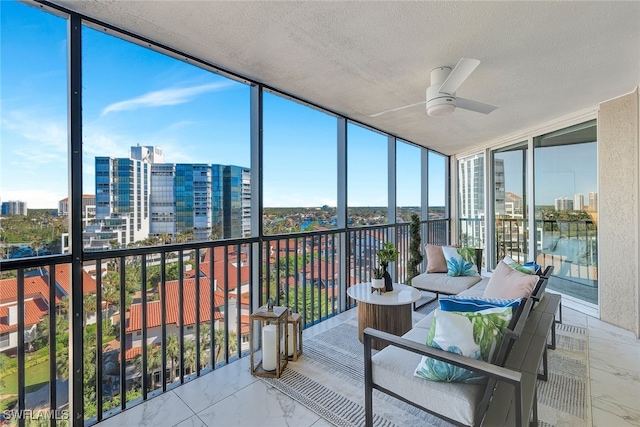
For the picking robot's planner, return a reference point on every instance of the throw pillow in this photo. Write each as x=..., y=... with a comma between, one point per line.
x=457, y=265
x=507, y=283
x=517, y=266
x=474, y=334
x=435, y=259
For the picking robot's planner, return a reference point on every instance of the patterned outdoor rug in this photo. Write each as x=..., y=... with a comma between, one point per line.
x=328, y=379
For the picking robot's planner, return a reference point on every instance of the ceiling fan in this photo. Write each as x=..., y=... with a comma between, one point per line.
x=441, y=95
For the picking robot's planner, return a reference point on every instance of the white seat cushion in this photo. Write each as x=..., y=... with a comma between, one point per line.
x=392, y=368
x=442, y=283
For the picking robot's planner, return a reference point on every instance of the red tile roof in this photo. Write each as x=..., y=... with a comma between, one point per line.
x=34, y=310
x=219, y=274
x=154, y=318
x=33, y=286
x=63, y=279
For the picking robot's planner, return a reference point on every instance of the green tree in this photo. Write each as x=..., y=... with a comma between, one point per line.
x=173, y=354
x=415, y=256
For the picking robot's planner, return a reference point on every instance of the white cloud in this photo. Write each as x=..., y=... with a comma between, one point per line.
x=170, y=96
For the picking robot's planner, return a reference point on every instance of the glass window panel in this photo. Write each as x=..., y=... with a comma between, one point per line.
x=566, y=209
x=437, y=186
x=300, y=169
x=34, y=150
x=367, y=177
x=471, y=201
x=407, y=181
x=510, y=202
x=166, y=148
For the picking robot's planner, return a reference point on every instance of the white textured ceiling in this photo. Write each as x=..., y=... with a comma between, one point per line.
x=540, y=60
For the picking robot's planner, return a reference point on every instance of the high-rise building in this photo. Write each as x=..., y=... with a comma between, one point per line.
x=578, y=202
x=88, y=206
x=163, y=199
x=122, y=202
x=593, y=202
x=147, y=153
x=471, y=206
x=14, y=207
x=232, y=200
x=563, y=204
x=138, y=196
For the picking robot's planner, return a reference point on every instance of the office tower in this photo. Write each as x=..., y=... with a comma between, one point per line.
x=147, y=153
x=14, y=207
x=563, y=204
x=231, y=200
x=163, y=199
x=88, y=206
x=593, y=202
x=122, y=202
x=578, y=202
x=193, y=192
x=471, y=196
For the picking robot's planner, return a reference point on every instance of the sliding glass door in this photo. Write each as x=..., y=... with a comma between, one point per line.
x=566, y=209
x=510, y=203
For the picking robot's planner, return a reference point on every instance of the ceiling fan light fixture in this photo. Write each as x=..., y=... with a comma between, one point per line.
x=440, y=110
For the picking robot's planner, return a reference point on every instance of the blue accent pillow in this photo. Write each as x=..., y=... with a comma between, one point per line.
x=462, y=304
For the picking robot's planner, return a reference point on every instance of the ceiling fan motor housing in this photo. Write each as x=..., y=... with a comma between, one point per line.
x=439, y=104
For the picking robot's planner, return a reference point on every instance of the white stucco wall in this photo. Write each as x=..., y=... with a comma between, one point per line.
x=618, y=223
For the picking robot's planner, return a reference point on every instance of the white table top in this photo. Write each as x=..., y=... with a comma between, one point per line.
x=401, y=294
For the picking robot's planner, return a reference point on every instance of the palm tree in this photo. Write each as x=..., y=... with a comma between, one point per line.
x=205, y=343
x=189, y=356
x=154, y=360
x=219, y=338
x=172, y=349
x=89, y=305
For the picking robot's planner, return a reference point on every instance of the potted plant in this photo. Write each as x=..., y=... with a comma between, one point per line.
x=415, y=257
x=388, y=253
x=377, y=279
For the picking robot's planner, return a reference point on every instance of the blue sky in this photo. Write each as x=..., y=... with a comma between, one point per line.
x=132, y=95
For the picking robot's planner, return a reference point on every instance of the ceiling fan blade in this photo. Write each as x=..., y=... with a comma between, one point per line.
x=397, y=109
x=458, y=75
x=476, y=106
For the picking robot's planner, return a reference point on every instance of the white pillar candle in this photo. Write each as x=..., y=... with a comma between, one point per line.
x=290, y=327
x=269, y=357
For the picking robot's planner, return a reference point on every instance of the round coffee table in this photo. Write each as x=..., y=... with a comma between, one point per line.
x=389, y=312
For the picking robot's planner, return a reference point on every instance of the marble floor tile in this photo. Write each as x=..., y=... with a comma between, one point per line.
x=164, y=410
x=606, y=414
x=604, y=330
x=193, y=421
x=217, y=385
x=573, y=317
x=258, y=405
x=614, y=385
x=606, y=352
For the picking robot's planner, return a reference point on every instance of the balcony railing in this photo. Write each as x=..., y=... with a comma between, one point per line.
x=154, y=318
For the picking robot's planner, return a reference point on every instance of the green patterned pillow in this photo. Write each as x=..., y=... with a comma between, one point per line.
x=477, y=335
x=517, y=266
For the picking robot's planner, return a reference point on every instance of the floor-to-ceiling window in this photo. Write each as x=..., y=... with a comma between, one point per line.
x=367, y=177
x=471, y=212
x=300, y=169
x=566, y=209
x=408, y=186
x=34, y=176
x=510, y=203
